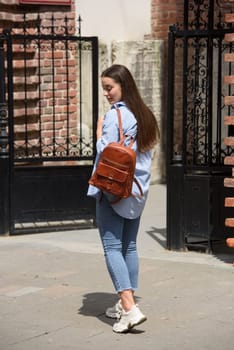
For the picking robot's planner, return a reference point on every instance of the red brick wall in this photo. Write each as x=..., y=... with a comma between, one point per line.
x=11, y=12
x=163, y=14
x=229, y=141
x=40, y=113
x=166, y=13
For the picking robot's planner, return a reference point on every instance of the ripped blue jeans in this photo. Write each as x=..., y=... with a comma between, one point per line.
x=118, y=236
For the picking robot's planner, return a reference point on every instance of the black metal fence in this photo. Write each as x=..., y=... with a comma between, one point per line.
x=49, y=106
x=196, y=129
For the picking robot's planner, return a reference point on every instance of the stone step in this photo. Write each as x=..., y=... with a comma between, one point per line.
x=229, y=222
x=229, y=202
x=228, y=79
x=229, y=160
x=229, y=100
x=229, y=182
x=229, y=57
x=229, y=37
x=229, y=18
x=229, y=141
x=229, y=120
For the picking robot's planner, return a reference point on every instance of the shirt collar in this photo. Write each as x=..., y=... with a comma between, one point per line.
x=118, y=104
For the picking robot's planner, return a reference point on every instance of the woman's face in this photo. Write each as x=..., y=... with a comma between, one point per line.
x=111, y=90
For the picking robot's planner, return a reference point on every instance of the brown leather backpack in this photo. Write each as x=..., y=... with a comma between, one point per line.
x=115, y=170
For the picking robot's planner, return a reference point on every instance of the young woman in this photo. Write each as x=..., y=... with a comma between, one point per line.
x=118, y=223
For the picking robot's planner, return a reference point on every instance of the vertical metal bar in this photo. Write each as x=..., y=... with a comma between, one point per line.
x=196, y=120
x=230, y=89
x=10, y=106
x=10, y=95
x=211, y=15
x=3, y=149
x=94, y=88
x=67, y=86
x=26, y=137
x=81, y=93
x=219, y=122
x=53, y=84
x=186, y=14
x=185, y=103
x=39, y=86
x=4, y=154
x=171, y=85
x=210, y=83
x=175, y=171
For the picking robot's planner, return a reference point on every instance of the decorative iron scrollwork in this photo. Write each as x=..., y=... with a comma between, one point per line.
x=50, y=66
x=199, y=84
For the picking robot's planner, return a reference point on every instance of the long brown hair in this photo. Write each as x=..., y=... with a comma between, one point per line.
x=147, y=126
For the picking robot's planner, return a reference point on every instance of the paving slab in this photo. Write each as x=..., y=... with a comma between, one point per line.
x=54, y=289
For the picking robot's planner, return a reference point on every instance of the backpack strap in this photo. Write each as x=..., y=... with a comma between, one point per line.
x=122, y=139
x=120, y=124
x=140, y=189
x=122, y=136
x=133, y=194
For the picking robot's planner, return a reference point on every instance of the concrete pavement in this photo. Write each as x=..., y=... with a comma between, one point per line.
x=54, y=289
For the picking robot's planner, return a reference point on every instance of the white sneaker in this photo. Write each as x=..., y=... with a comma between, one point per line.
x=129, y=320
x=114, y=311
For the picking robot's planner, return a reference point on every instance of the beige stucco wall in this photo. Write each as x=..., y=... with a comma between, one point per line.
x=123, y=35
x=115, y=19
x=144, y=59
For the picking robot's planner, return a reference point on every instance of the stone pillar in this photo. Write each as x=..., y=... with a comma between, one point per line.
x=144, y=60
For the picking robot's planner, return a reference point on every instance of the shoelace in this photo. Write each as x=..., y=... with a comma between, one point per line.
x=118, y=316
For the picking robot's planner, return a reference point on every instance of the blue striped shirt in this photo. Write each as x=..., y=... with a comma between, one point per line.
x=130, y=207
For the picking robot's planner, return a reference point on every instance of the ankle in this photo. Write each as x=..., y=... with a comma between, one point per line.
x=127, y=306
x=127, y=299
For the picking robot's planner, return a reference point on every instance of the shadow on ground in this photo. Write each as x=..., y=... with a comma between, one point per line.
x=159, y=235
x=95, y=304
x=218, y=248
x=222, y=252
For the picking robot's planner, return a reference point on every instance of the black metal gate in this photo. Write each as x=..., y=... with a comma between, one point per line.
x=196, y=130
x=48, y=111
